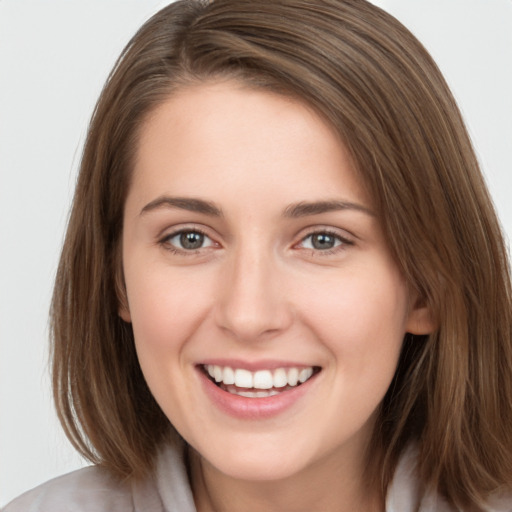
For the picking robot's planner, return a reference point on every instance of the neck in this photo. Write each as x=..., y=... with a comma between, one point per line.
x=328, y=485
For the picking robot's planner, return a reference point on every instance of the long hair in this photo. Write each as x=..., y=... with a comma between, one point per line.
x=375, y=84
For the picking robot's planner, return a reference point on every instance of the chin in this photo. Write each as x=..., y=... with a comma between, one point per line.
x=256, y=469
x=260, y=461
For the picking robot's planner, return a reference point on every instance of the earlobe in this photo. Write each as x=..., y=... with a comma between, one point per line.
x=421, y=321
x=123, y=310
x=124, y=313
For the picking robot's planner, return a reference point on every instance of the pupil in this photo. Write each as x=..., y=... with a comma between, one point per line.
x=191, y=240
x=323, y=241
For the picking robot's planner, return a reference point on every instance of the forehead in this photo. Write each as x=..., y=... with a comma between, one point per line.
x=206, y=136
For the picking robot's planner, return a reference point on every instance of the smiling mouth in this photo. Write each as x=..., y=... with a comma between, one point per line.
x=261, y=383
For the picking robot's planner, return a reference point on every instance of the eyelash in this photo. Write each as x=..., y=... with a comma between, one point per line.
x=341, y=242
x=166, y=241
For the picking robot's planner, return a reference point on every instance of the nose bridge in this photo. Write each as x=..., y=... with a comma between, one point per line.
x=252, y=304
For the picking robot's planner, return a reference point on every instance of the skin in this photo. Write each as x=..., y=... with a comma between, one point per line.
x=259, y=290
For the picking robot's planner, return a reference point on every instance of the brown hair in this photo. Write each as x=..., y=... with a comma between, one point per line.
x=377, y=86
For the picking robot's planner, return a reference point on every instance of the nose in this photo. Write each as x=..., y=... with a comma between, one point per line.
x=252, y=301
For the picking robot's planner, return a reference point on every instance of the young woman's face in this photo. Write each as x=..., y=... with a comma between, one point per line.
x=251, y=253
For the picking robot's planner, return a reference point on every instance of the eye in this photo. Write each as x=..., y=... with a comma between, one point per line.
x=323, y=241
x=189, y=240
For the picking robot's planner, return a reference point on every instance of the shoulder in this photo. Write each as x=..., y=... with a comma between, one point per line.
x=500, y=502
x=95, y=489
x=92, y=489
x=406, y=492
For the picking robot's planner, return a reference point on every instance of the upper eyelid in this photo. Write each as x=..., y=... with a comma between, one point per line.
x=326, y=232
x=169, y=232
x=341, y=233
x=181, y=231
x=165, y=241
x=344, y=241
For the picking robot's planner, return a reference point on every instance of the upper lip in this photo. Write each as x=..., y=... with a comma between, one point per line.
x=253, y=366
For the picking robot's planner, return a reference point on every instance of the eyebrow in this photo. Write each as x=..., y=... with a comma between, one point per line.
x=294, y=211
x=304, y=209
x=184, y=203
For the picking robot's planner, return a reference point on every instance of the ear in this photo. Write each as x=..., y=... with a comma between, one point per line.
x=124, y=313
x=123, y=309
x=420, y=319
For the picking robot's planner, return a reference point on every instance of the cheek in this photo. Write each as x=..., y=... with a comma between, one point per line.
x=362, y=326
x=165, y=306
x=360, y=318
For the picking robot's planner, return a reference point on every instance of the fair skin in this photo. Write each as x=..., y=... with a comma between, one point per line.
x=251, y=249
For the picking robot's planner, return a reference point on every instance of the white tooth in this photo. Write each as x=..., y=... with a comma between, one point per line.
x=304, y=374
x=243, y=378
x=266, y=393
x=228, y=375
x=280, y=379
x=263, y=379
x=209, y=369
x=248, y=394
x=263, y=393
x=217, y=373
x=293, y=376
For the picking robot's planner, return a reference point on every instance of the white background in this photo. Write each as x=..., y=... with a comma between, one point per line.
x=54, y=58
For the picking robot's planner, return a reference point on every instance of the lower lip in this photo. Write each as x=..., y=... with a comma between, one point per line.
x=253, y=408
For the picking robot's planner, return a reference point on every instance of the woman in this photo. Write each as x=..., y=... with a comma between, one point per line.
x=283, y=284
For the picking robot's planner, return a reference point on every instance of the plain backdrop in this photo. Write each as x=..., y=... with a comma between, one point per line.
x=54, y=58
